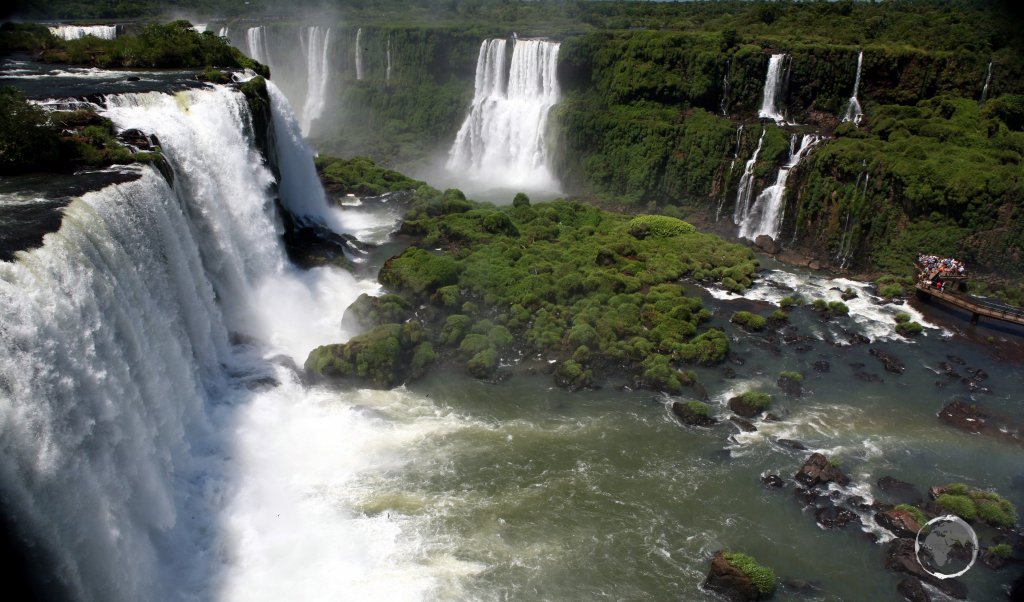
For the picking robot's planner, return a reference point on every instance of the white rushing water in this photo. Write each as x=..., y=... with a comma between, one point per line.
x=74, y=32
x=223, y=32
x=256, y=43
x=746, y=188
x=148, y=456
x=359, y=54
x=503, y=141
x=765, y=215
x=773, y=89
x=988, y=80
x=853, y=111
x=387, y=70
x=316, y=42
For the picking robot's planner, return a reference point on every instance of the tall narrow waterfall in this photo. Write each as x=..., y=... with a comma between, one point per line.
x=988, y=79
x=503, y=141
x=746, y=188
x=765, y=215
x=853, y=110
x=773, y=83
x=359, y=53
x=144, y=455
x=223, y=32
x=724, y=105
x=316, y=42
x=387, y=71
x=256, y=42
x=73, y=32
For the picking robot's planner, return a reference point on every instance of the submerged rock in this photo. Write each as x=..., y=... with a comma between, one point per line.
x=773, y=481
x=821, y=366
x=835, y=517
x=792, y=444
x=744, y=425
x=899, y=492
x=891, y=362
x=972, y=419
x=912, y=590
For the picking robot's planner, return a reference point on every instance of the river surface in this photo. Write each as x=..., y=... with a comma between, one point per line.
x=448, y=488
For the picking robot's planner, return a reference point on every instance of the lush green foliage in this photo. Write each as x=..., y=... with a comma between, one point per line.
x=790, y=375
x=361, y=176
x=1002, y=550
x=173, y=44
x=972, y=504
x=27, y=141
x=756, y=399
x=762, y=577
x=909, y=328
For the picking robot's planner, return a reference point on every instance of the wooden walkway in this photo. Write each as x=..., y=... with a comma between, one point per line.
x=977, y=307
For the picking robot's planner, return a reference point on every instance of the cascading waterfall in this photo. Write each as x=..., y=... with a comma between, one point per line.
x=387, y=71
x=359, y=54
x=73, y=32
x=199, y=27
x=853, y=110
x=724, y=105
x=773, y=84
x=503, y=141
x=845, y=250
x=735, y=157
x=255, y=39
x=223, y=32
x=988, y=79
x=135, y=437
x=316, y=43
x=765, y=215
x=746, y=187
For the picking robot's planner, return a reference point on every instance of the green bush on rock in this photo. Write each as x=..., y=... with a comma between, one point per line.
x=749, y=321
x=762, y=577
x=971, y=504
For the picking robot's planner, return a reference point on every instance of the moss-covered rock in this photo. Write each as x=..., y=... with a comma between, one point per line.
x=367, y=311
x=750, y=403
x=749, y=321
x=974, y=504
x=383, y=357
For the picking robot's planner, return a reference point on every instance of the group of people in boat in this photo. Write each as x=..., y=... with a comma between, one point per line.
x=934, y=269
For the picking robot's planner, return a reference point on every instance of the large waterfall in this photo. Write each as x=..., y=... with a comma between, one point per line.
x=316, y=42
x=765, y=215
x=149, y=450
x=256, y=42
x=773, y=83
x=503, y=141
x=853, y=110
x=73, y=32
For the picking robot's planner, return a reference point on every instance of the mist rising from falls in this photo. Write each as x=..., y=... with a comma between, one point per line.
x=765, y=215
x=134, y=434
x=773, y=82
x=503, y=141
x=853, y=111
x=316, y=43
x=74, y=32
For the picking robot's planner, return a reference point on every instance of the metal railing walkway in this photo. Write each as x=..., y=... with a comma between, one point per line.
x=977, y=307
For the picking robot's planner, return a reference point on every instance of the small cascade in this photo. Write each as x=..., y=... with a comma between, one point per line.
x=765, y=215
x=223, y=32
x=988, y=79
x=845, y=250
x=74, y=32
x=503, y=141
x=724, y=105
x=359, y=53
x=316, y=43
x=199, y=27
x=853, y=110
x=387, y=71
x=256, y=41
x=773, y=84
x=735, y=157
x=746, y=188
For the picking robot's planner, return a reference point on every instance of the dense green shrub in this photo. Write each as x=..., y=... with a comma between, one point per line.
x=749, y=321
x=914, y=511
x=971, y=504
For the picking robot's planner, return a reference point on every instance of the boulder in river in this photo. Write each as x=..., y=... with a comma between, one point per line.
x=750, y=403
x=835, y=517
x=818, y=470
x=773, y=481
x=744, y=425
x=767, y=244
x=902, y=558
x=972, y=419
x=739, y=577
x=792, y=444
x=899, y=492
x=693, y=413
x=901, y=522
x=913, y=590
